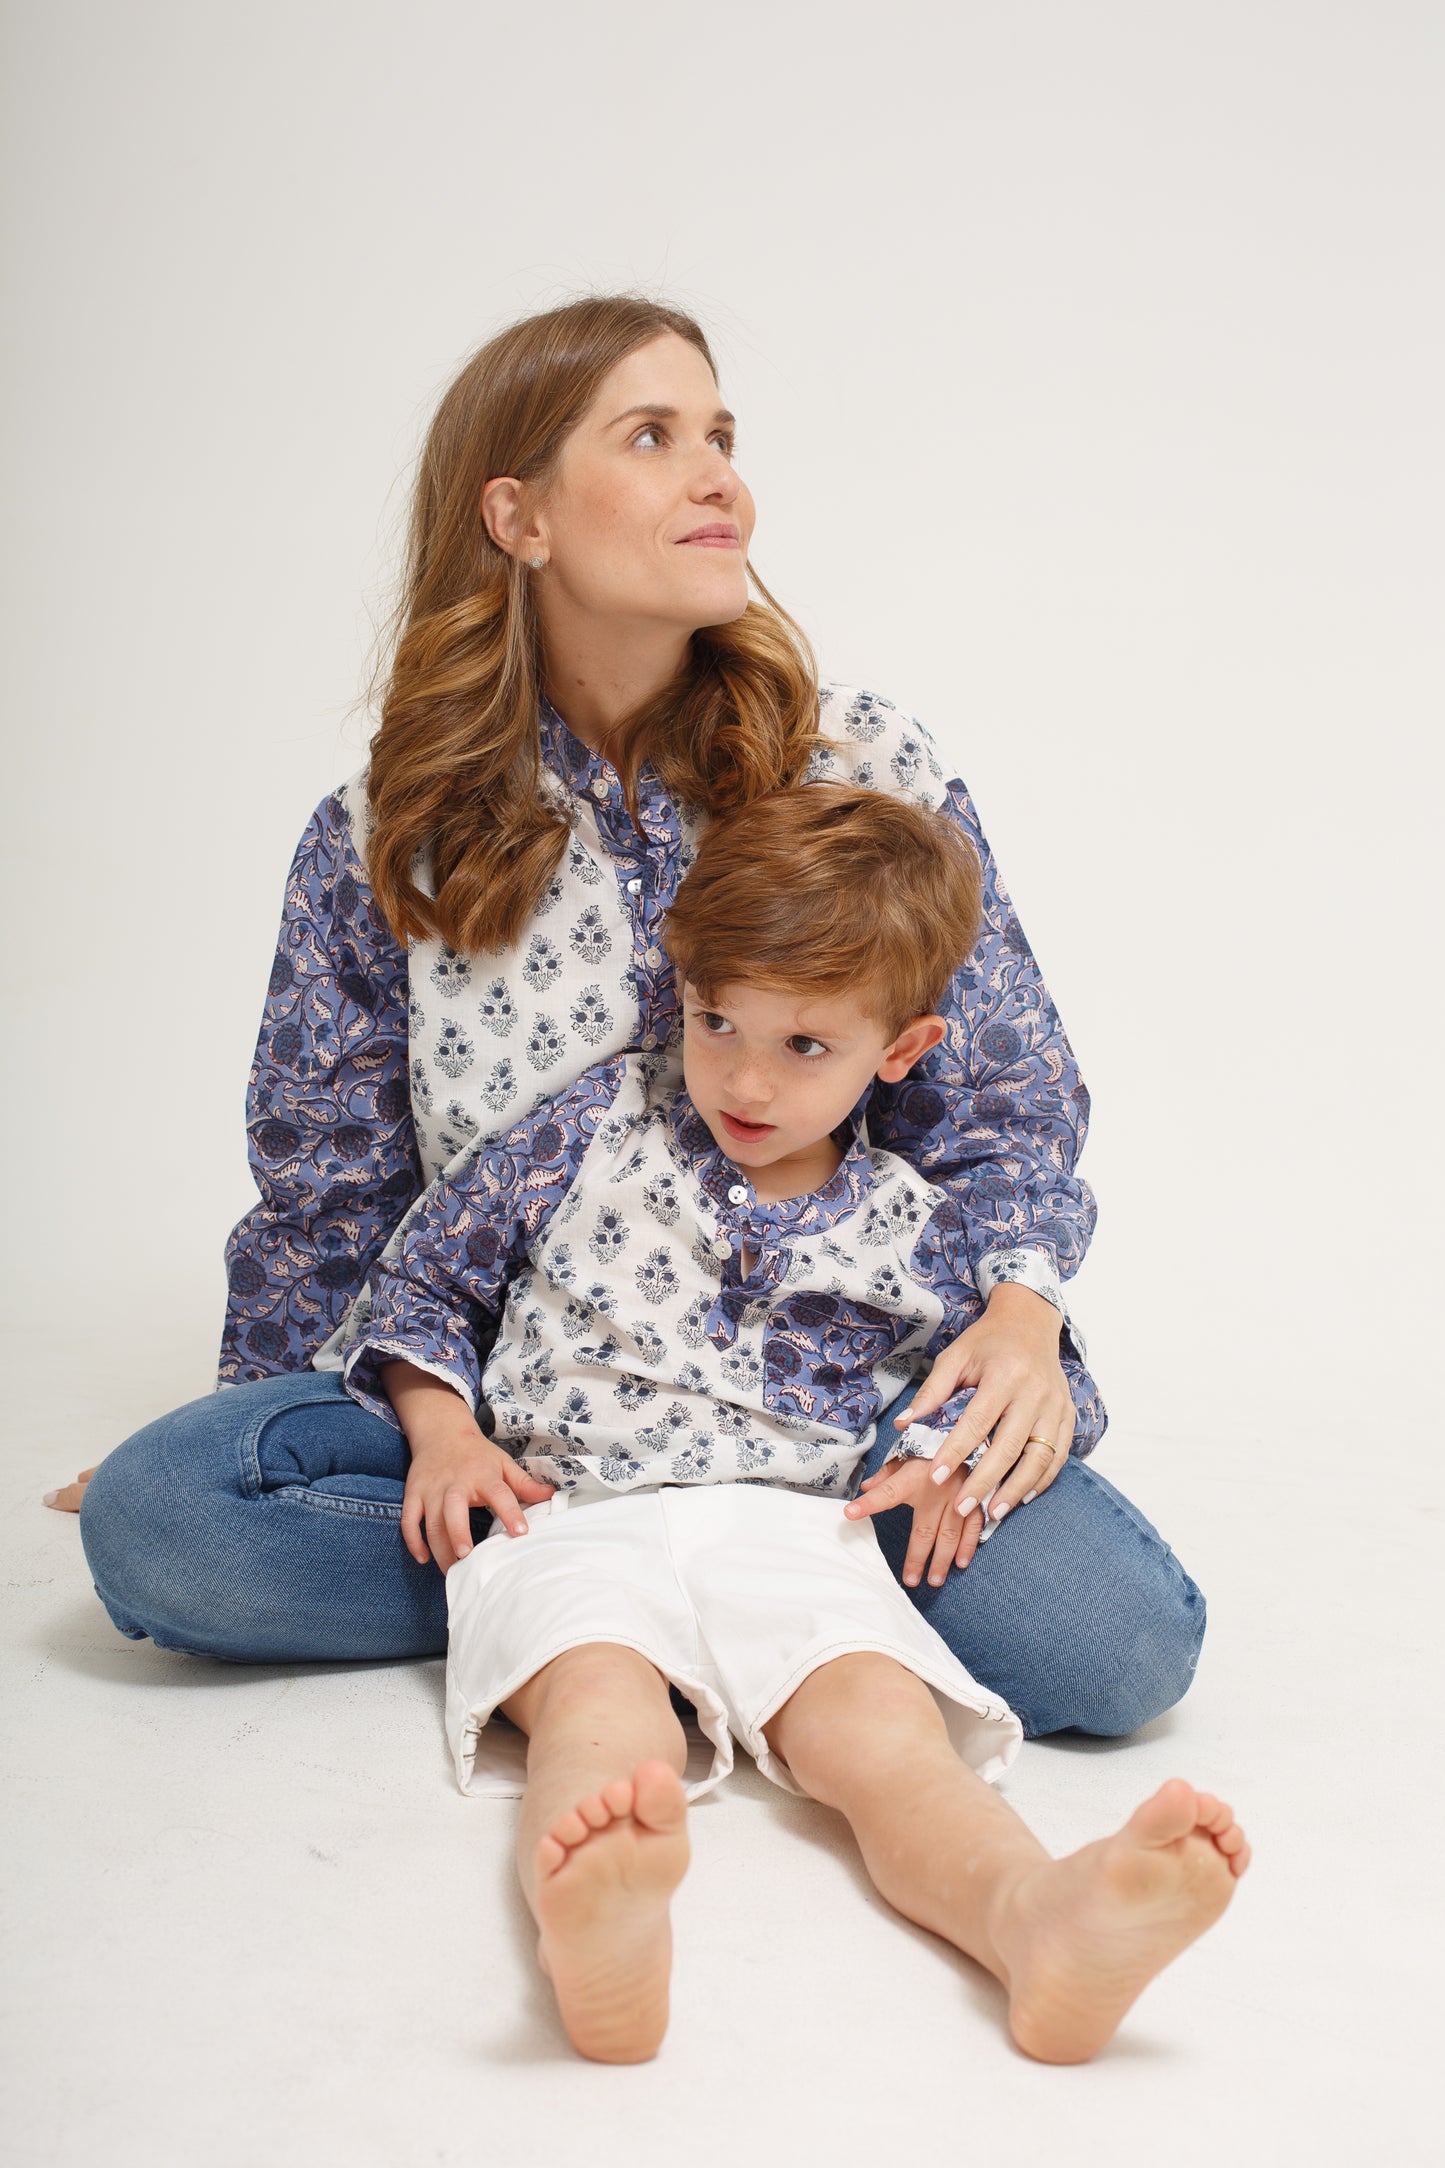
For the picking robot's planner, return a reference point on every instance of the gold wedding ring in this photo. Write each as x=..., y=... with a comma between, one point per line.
x=1047, y=1443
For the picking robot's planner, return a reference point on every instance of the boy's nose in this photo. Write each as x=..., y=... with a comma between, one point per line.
x=752, y=1086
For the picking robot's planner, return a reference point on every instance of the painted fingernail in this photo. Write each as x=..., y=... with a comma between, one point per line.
x=942, y=1472
x=50, y=1497
x=963, y=1505
x=1029, y=1497
x=1000, y=1510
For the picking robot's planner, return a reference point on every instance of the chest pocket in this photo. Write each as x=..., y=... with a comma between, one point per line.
x=819, y=1354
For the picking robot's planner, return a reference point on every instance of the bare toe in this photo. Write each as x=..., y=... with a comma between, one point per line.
x=1170, y=1814
x=658, y=1799
x=569, y=1829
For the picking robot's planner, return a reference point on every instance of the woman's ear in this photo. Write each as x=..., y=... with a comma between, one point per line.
x=911, y=1044
x=504, y=517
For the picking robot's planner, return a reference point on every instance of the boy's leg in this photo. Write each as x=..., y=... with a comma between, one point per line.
x=603, y=1842
x=1073, y=1940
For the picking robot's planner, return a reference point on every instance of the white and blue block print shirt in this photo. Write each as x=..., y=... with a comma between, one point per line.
x=380, y=1063
x=658, y=1323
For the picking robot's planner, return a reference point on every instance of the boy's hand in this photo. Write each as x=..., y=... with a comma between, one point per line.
x=454, y=1466
x=935, y=1517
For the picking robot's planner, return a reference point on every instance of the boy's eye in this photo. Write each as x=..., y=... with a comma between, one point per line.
x=810, y=1048
x=712, y=1022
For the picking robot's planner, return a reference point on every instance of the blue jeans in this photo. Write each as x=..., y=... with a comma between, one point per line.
x=262, y=1524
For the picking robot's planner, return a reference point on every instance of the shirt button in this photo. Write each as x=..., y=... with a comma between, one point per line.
x=653, y=959
x=634, y=888
x=649, y=1041
x=722, y=1247
x=737, y=1194
x=599, y=788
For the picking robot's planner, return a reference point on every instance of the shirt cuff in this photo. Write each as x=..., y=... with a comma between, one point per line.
x=368, y=1389
x=1035, y=1269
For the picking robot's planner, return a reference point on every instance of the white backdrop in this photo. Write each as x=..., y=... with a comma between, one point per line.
x=1087, y=359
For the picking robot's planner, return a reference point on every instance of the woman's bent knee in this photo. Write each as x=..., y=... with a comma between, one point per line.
x=262, y=1524
x=1144, y=1666
x=145, y=1519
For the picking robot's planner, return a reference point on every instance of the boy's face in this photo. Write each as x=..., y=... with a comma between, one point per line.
x=773, y=1072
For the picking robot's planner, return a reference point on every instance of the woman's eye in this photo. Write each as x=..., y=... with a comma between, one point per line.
x=809, y=1048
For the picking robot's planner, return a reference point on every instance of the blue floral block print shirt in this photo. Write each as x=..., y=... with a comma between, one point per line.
x=658, y=1323
x=380, y=1065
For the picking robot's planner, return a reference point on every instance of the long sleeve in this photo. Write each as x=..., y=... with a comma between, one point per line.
x=997, y=1112
x=432, y=1299
x=940, y=1262
x=328, y=1113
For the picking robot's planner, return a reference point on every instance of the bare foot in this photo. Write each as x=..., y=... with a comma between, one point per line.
x=1086, y=1934
x=605, y=1872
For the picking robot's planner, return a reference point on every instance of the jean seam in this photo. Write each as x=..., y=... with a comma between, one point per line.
x=299, y=1494
x=1149, y=1535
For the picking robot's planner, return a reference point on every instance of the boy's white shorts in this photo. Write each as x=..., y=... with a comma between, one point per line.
x=735, y=1591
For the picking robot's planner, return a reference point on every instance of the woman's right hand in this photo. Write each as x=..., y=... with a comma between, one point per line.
x=68, y=1499
x=454, y=1466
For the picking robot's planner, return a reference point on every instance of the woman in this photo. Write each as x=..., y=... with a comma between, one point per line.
x=473, y=920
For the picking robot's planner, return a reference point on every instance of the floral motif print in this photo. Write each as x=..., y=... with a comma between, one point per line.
x=353, y=1110
x=450, y=973
x=330, y=1131
x=496, y=1011
x=454, y=1052
x=998, y=1111
x=776, y=1376
x=591, y=1017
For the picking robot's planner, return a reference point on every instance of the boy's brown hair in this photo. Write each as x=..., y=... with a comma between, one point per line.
x=825, y=888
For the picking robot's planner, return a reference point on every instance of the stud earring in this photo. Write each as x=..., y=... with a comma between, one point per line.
x=536, y=563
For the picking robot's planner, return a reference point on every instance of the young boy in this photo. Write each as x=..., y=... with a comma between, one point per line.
x=709, y=1287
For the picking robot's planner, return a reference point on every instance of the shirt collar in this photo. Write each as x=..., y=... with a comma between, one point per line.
x=840, y=1195
x=574, y=763
x=589, y=776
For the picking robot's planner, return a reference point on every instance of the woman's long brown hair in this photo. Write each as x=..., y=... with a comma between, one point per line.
x=455, y=767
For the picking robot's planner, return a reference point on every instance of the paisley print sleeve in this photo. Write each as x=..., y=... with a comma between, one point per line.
x=997, y=1112
x=328, y=1113
x=434, y=1298
x=940, y=1263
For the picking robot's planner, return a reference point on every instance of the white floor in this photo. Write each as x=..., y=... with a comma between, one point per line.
x=251, y=1919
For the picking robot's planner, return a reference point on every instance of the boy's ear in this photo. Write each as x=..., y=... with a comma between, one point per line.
x=911, y=1044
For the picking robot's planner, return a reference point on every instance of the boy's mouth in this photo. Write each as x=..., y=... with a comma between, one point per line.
x=746, y=1132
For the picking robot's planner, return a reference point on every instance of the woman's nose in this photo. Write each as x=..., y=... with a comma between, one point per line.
x=719, y=477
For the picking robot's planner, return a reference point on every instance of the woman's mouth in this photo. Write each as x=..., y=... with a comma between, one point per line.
x=717, y=537
x=746, y=1132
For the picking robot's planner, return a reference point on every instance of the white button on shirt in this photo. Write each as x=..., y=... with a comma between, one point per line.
x=634, y=888
x=737, y=1194
x=599, y=788
x=722, y=1247
x=653, y=959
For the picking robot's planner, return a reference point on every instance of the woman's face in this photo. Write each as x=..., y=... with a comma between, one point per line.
x=619, y=523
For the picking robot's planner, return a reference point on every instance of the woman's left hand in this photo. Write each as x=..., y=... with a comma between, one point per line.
x=1011, y=1357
